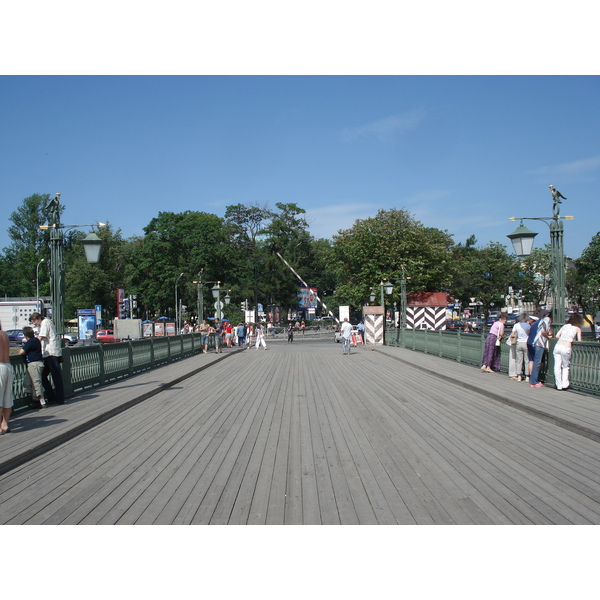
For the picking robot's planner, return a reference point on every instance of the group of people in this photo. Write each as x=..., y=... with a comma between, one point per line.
x=43, y=357
x=225, y=334
x=528, y=347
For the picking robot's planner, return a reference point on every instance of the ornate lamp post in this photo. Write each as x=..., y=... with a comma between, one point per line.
x=200, y=296
x=92, y=245
x=177, y=319
x=522, y=240
x=402, y=324
x=386, y=286
x=37, y=285
x=216, y=292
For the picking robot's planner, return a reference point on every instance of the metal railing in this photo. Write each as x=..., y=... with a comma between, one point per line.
x=95, y=365
x=468, y=348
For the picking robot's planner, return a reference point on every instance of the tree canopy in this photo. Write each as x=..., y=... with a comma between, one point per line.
x=242, y=249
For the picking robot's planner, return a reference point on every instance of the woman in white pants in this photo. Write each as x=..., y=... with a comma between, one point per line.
x=260, y=337
x=567, y=334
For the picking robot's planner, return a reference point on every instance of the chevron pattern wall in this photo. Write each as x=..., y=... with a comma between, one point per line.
x=373, y=329
x=432, y=316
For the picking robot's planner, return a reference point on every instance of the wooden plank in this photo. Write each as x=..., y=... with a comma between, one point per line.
x=302, y=434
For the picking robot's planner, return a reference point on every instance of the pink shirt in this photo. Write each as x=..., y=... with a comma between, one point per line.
x=497, y=329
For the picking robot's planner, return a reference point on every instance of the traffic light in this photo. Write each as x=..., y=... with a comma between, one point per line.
x=245, y=305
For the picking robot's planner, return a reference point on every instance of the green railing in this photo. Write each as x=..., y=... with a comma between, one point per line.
x=98, y=364
x=467, y=348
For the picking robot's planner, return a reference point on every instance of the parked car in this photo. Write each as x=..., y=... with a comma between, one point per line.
x=15, y=335
x=106, y=336
x=454, y=325
x=12, y=334
x=70, y=339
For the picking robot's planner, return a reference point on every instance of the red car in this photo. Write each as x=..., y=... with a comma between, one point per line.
x=106, y=336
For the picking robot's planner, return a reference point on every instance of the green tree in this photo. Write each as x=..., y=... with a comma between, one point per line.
x=250, y=263
x=484, y=273
x=176, y=243
x=378, y=248
x=29, y=244
x=583, y=280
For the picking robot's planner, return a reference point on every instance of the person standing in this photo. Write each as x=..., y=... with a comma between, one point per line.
x=241, y=334
x=567, y=334
x=52, y=355
x=540, y=346
x=204, y=331
x=32, y=384
x=6, y=382
x=290, y=333
x=228, y=334
x=361, y=331
x=218, y=332
x=518, y=359
x=346, y=333
x=490, y=362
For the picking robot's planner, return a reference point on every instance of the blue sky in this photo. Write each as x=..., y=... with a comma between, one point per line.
x=461, y=153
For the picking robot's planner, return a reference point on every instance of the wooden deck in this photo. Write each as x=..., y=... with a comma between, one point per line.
x=301, y=434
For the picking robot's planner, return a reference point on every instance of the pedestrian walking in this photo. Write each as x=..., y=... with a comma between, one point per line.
x=260, y=337
x=204, y=329
x=346, y=332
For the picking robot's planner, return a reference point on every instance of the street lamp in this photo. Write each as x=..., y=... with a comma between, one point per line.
x=200, y=296
x=388, y=288
x=177, y=305
x=522, y=240
x=57, y=264
x=37, y=285
x=401, y=325
x=216, y=292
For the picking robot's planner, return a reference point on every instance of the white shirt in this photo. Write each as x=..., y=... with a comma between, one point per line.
x=568, y=333
x=49, y=339
x=346, y=330
x=522, y=329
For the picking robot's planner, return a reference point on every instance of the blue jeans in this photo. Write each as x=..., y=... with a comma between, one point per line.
x=537, y=361
x=346, y=345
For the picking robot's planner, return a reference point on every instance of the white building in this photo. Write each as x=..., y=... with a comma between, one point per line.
x=15, y=312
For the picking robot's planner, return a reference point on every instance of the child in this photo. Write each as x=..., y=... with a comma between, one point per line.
x=32, y=350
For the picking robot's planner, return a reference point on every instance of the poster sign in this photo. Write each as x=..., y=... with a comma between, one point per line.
x=86, y=324
x=159, y=329
x=169, y=328
x=147, y=329
x=307, y=297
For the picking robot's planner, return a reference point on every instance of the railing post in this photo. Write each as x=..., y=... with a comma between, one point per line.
x=101, y=363
x=66, y=373
x=130, y=357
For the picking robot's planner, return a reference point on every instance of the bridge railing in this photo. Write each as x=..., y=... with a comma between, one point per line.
x=468, y=348
x=90, y=366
